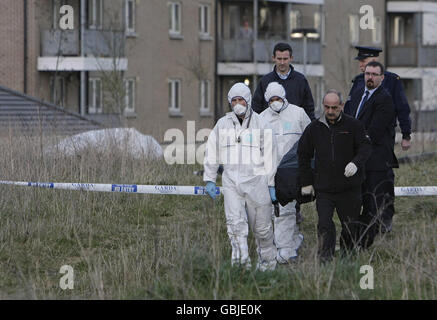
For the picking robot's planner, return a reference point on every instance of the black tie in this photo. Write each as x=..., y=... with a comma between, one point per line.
x=362, y=103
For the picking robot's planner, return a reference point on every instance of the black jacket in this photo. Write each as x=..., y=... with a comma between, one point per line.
x=393, y=85
x=296, y=87
x=377, y=115
x=334, y=147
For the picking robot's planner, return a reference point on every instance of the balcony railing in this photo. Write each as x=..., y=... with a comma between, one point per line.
x=402, y=56
x=99, y=43
x=240, y=50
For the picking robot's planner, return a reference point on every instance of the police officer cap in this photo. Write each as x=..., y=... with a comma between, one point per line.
x=365, y=52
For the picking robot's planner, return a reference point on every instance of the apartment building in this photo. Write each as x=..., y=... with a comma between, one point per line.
x=157, y=64
x=137, y=63
x=248, y=30
x=412, y=53
x=343, y=32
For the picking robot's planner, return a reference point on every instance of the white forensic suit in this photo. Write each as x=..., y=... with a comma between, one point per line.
x=249, y=156
x=288, y=125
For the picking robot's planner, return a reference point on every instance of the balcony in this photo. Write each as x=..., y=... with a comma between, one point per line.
x=98, y=43
x=402, y=56
x=241, y=50
x=102, y=50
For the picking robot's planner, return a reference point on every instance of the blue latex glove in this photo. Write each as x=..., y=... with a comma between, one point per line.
x=272, y=194
x=210, y=189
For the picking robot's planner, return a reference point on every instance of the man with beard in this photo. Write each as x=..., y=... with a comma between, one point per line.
x=393, y=85
x=373, y=106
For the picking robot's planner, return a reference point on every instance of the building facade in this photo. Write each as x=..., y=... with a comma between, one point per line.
x=137, y=63
x=247, y=32
x=412, y=54
x=155, y=65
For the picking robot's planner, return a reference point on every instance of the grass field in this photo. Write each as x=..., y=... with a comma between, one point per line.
x=130, y=246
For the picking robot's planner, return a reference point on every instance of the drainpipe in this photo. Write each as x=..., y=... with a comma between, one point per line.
x=82, y=73
x=25, y=47
x=255, y=37
x=216, y=77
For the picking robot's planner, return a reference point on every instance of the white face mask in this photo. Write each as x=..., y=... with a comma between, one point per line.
x=276, y=106
x=239, y=109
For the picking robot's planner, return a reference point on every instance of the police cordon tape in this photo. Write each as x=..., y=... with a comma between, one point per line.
x=125, y=188
x=176, y=190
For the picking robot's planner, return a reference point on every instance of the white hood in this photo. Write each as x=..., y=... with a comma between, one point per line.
x=274, y=89
x=240, y=90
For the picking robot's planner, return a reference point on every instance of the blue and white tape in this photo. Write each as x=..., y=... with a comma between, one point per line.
x=178, y=190
x=125, y=188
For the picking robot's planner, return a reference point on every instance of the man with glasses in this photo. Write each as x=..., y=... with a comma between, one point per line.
x=341, y=148
x=373, y=106
x=393, y=85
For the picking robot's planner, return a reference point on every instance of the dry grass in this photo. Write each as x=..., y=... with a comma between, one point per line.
x=130, y=246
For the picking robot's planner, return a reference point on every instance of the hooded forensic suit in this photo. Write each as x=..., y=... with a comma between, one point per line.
x=248, y=154
x=288, y=122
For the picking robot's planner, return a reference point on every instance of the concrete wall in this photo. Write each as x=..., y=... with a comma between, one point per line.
x=338, y=53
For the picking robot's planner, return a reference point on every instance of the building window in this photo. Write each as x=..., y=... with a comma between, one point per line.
x=354, y=32
x=57, y=90
x=95, y=14
x=398, y=30
x=377, y=31
x=130, y=16
x=129, y=98
x=94, y=96
x=319, y=25
x=175, y=18
x=204, y=20
x=174, y=96
x=295, y=19
x=205, y=90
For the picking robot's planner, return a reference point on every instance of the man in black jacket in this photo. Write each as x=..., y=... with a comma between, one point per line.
x=296, y=86
x=374, y=107
x=393, y=85
x=341, y=148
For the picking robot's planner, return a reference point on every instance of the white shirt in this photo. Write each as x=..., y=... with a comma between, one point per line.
x=371, y=91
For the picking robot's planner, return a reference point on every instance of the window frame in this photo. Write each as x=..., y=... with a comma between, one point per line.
x=297, y=19
x=130, y=31
x=204, y=26
x=354, y=29
x=205, y=100
x=92, y=107
x=398, y=32
x=377, y=30
x=175, y=23
x=53, y=87
x=174, y=110
x=128, y=109
x=94, y=22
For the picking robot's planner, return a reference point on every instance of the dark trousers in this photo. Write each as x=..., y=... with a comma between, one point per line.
x=389, y=209
x=348, y=205
x=377, y=196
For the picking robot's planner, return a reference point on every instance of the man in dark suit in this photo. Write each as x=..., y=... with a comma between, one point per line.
x=393, y=85
x=373, y=106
